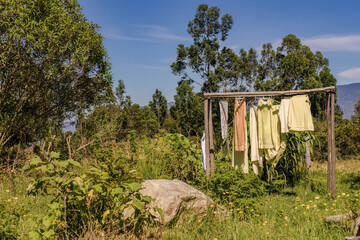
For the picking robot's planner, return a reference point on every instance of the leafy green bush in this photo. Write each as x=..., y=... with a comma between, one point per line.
x=95, y=199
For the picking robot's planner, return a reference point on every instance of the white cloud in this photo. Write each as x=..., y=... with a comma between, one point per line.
x=351, y=73
x=334, y=43
x=115, y=36
x=145, y=33
x=167, y=36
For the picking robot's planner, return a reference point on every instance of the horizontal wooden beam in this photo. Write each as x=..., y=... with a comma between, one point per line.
x=269, y=93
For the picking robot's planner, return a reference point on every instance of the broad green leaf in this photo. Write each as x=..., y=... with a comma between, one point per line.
x=54, y=205
x=49, y=234
x=79, y=181
x=61, y=163
x=43, y=168
x=117, y=191
x=47, y=220
x=134, y=186
x=98, y=188
x=55, y=155
x=75, y=163
x=25, y=168
x=59, y=179
x=138, y=204
x=148, y=199
x=34, y=235
x=35, y=161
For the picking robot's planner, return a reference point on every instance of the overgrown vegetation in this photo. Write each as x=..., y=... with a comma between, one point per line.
x=85, y=184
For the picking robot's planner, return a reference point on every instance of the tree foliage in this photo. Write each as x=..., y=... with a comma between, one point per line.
x=52, y=64
x=201, y=57
x=158, y=106
x=356, y=117
x=187, y=110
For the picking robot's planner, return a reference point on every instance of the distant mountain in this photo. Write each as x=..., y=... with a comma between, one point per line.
x=347, y=96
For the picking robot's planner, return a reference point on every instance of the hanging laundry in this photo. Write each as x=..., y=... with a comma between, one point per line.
x=299, y=118
x=269, y=127
x=273, y=155
x=255, y=157
x=224, y=117
x=283, y=114
x=264, y=124
x=240, y=158
x=240, y=125
x=203, y=155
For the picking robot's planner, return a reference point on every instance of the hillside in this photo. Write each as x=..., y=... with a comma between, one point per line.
x=348, y=95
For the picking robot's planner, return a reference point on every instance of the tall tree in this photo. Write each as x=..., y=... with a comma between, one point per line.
x=187, y=110
x=201, y=57
x=52, y=64
x=119, y=92
x=158, y=106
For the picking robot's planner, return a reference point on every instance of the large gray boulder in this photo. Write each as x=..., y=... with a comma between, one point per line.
x=175, y=196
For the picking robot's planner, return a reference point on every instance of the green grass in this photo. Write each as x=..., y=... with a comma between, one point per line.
x=293, y=213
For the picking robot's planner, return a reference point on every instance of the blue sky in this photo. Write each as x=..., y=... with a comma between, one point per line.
x=141, y=37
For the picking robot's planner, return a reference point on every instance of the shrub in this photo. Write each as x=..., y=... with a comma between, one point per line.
x=95, y=199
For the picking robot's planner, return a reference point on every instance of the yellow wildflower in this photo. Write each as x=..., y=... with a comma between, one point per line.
x=317, y=197
x=343, y=194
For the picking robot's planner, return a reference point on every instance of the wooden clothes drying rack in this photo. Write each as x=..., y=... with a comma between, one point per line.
x=330, y=116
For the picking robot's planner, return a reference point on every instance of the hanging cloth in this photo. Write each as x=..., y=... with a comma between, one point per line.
x=300, y=118
x=283, y=114
x=264, y=124
x=240, y=125
x=273, y=155
x=203, y=155
x=240, y=158
x=224, y=117
x=255, y=157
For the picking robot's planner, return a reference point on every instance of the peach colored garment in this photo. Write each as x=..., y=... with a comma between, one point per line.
x=240, y=125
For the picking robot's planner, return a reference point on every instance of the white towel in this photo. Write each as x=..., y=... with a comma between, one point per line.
x=224, y=117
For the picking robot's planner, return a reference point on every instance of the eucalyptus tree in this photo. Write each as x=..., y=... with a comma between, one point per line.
x=52, y=64
x=207, y=30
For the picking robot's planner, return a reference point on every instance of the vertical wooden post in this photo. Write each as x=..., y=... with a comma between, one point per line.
x=333, y=154
x=328, y=118
x=211, y=138
x=206, y=123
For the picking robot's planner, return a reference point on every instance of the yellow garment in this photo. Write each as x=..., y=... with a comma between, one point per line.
x=299, y=117
x=273, y=155
x=240, y=125
x=273, y=131
x=264, y=124
x=240, y=158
